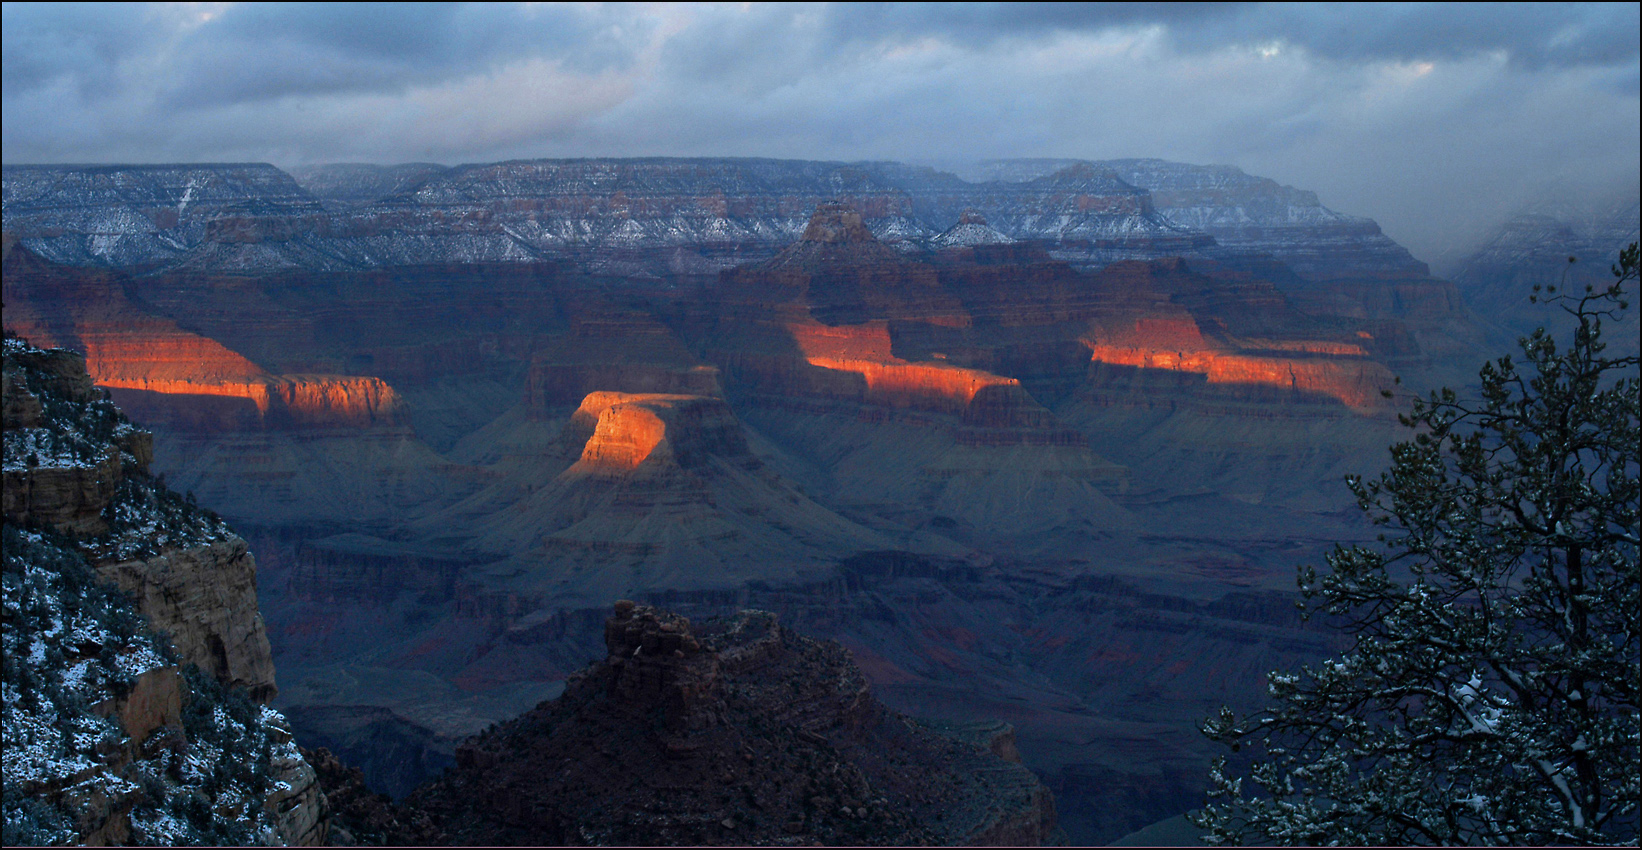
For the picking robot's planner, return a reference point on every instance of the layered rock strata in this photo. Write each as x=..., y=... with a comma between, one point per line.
x=734, y=732
x=235, y=433
x=740, y=438
x=178, y=376
x=183, y=573
x=1242, y=212
x=665, y=217
x=134, y=216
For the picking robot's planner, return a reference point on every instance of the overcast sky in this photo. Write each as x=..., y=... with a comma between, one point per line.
x=1433, y=119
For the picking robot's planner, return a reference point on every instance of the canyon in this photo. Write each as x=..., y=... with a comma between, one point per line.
x=1039, y=443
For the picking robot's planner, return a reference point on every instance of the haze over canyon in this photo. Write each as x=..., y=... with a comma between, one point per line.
x=1039, y=442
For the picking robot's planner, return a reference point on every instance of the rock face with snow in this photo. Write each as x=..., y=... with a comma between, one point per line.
x=971, y=230
x=107, y=739
x=1243, y=212
x=145, y=216
x=664, y=217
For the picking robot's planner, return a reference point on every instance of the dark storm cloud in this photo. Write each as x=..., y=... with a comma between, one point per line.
x=43, y=42
x=259, y=51
x=1532, y=35
x=1428, y=117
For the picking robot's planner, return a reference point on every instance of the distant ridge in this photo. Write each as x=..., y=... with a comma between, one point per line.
x=658, y=216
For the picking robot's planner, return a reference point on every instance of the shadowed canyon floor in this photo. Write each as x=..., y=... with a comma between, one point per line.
x=1018, y=490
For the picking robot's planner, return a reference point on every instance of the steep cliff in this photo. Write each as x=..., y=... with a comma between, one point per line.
x=736, y=731
x=143, y=216
x=107, y=739
x=245, y=435
x=665, y=217
x=1242, y=212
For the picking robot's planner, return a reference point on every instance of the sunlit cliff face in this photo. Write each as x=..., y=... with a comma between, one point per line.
x=340, y=401
x=160, y=360
x=626, y=436
x=624, y=430
x=179, y=365
x=186, y=380
x=1176, y=344
x=865, y=350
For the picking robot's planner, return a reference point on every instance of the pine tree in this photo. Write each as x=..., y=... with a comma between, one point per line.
x=1490, y=692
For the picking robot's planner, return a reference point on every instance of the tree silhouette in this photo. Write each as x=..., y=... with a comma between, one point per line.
x=1490, y=692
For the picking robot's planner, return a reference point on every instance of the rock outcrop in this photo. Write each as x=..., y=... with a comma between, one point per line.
x=196, y=580
x=638, y=483
x=971, y=230
x=129, y=768
x=732, y=732
x=205, y=598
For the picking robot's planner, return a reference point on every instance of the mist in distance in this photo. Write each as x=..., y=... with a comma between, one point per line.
x=1436, y=120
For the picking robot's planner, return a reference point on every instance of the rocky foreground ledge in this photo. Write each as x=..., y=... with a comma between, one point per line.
x=136, y=664
x=734, y=732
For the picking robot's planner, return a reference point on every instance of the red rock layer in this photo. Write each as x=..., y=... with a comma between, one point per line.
x=1356, y=384
x=279, y=402
x=827, y=318
x=171, y=376
x=629, y=429
x=1320, y=367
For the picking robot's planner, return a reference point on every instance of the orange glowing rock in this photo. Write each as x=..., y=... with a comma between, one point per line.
x=280, y=401
x=625, y=437
x=335, y=400
x=920, y=386
x=867, y=341
x=122, y=359
x=1177, y=332
x=1355, y=383
x=1319, y=367
x=626, y=429
x=182, y=379
x=890, y=381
